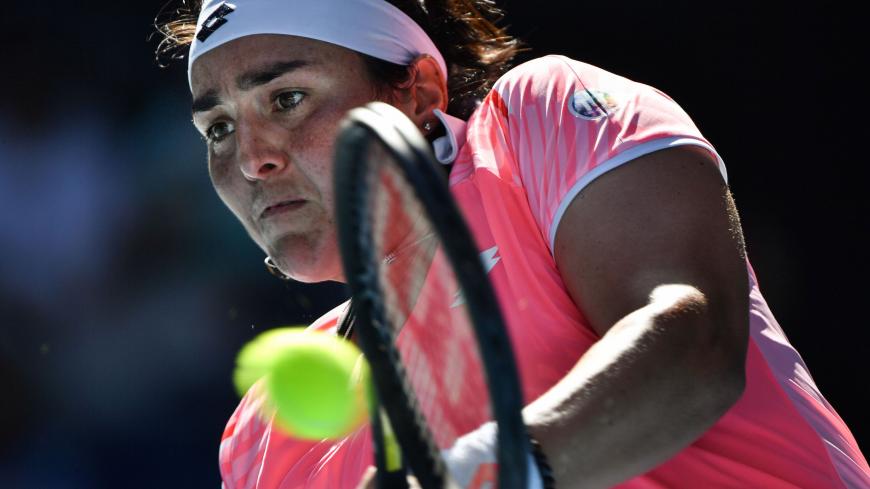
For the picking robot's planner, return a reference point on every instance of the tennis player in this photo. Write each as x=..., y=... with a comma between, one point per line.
x=648, y=355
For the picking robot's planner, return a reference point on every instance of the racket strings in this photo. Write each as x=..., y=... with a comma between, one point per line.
x=414, y=321
x=434, y=335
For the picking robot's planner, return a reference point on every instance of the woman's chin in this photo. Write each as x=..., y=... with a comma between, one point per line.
x=310, y=267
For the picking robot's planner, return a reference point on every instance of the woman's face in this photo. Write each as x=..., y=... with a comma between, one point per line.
x=269, y=108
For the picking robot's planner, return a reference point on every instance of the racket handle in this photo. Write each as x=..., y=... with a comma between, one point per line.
x=392, y=480
x=392, y=472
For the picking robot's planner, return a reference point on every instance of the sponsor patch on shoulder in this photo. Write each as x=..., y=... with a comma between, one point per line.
x=592, y=104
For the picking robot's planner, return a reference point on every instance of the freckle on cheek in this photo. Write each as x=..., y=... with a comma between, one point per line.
x=219, y=173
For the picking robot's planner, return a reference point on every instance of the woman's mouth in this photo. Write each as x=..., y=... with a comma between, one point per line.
x=282, y=208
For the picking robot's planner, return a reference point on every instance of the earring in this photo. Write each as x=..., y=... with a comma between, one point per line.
x=273, y=269
x=427, y=126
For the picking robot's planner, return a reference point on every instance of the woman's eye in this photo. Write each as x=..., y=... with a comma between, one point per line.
x=218, y=131
x=289, y=100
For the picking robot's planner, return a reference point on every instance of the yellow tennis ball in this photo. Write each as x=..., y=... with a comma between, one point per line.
x=318, y=385
x=256, y=358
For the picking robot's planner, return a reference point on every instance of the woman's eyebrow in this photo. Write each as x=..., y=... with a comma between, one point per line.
x=205, y=103
x=251, y=79
x=261, y=76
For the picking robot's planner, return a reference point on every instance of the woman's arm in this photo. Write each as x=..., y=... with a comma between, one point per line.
x=652, y=253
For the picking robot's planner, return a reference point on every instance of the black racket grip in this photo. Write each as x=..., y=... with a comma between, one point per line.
x=385, y=478
x=392, y=480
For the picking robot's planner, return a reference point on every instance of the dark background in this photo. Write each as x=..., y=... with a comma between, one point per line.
x=126, y=288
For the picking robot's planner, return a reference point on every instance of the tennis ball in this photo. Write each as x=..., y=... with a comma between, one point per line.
x=256, y=358
x=317, y=384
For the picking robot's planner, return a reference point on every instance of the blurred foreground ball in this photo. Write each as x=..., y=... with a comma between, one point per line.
x=317, y=382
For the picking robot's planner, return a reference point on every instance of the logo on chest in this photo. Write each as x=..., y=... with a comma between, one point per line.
x=592, y=104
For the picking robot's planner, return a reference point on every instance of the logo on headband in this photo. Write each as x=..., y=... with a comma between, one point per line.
x=215, y=21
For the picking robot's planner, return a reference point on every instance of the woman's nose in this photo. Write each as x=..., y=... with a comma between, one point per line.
x=261, y=150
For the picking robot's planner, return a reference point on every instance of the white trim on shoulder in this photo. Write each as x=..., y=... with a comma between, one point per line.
x=620, y=159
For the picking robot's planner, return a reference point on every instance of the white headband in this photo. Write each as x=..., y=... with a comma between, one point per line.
x=372, y=27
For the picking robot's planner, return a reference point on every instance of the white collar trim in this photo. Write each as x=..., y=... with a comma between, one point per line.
x=447, y=146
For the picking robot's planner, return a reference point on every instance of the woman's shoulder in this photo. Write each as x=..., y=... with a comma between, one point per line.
x=553, y=68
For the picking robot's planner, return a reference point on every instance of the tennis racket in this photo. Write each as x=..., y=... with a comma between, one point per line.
x=424, y=312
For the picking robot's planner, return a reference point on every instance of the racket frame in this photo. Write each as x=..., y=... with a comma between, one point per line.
x=412, y=154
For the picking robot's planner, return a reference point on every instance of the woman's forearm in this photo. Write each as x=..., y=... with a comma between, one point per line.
x=655, y=382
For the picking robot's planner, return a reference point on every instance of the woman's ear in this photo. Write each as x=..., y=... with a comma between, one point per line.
x=425, y=92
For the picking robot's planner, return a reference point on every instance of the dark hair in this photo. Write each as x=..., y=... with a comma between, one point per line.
x=477, y=51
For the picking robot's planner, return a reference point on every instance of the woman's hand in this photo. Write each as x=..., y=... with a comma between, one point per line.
x=369, y=480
